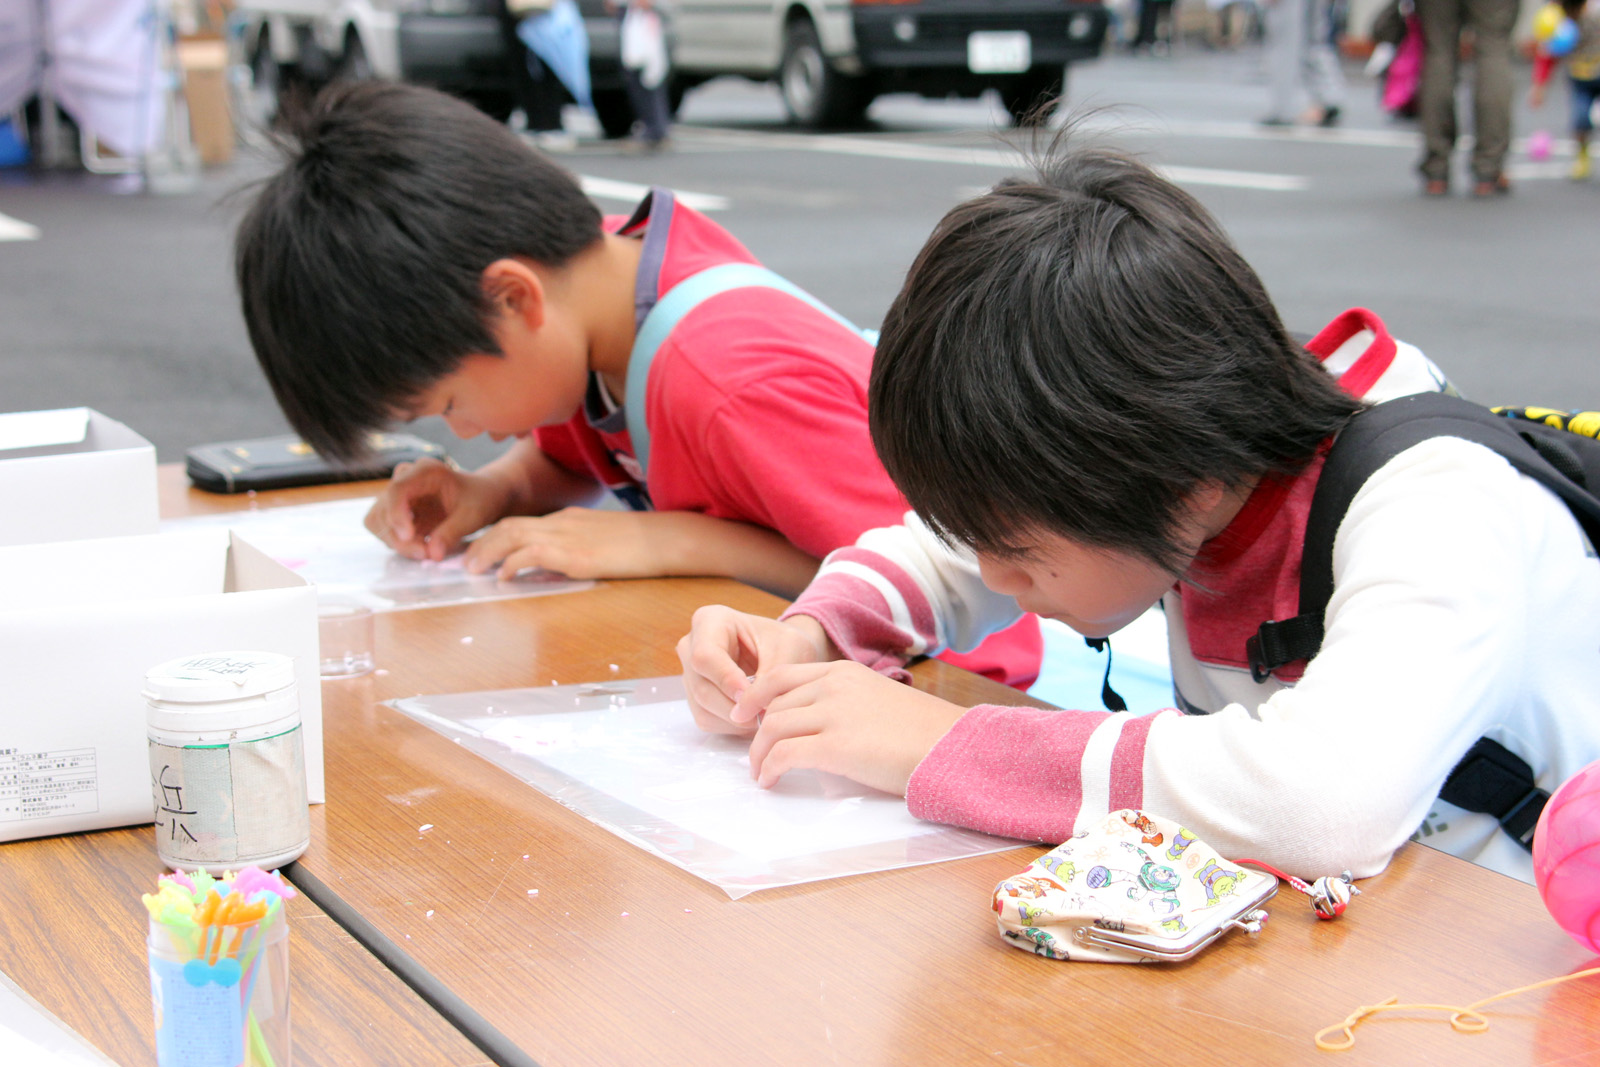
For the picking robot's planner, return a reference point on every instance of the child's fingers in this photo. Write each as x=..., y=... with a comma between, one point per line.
x=777, y=726
x=412, y=506
x=711, y=655
x=791, y=753
x=717, y=724
x=542, y=557
x=384, y=524
x=709, y=705
x=775, y=688
x=708, y=675
x=449, y=530
x=496, y=544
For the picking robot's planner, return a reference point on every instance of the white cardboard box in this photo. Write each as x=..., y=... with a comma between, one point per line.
x=80, y=624
x=74, y=473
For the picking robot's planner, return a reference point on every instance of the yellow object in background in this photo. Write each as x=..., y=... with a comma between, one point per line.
x=1547, y=21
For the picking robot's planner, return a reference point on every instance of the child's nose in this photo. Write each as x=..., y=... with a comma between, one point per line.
x=462, y=426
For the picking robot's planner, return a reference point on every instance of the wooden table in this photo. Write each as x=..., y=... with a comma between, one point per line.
x=72, y=933
x=624, y=959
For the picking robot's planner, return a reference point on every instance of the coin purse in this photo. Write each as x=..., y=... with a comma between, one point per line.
x=1137, y=888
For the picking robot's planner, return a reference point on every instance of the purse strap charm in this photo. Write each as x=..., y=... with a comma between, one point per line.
x=1330, y=894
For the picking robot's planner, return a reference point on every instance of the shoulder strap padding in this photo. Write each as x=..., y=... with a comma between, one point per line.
x=668, y=311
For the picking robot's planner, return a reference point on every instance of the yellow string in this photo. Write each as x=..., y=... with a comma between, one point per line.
x=1467, y=1020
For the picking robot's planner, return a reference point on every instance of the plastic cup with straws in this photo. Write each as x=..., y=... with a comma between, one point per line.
x=219, y=969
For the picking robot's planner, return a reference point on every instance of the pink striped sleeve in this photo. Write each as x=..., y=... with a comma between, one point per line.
x=1127, y=764
x=857, y=614
x=1019, y=772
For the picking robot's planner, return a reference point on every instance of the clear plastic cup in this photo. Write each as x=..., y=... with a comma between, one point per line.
x=225, y=1014
x=345, y=635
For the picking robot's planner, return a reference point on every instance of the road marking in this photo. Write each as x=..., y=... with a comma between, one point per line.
x=1234, y=179
x=1545, y=170
x=1009, y=159
x=16, y=230
x=1251, y=131
x=632, y=193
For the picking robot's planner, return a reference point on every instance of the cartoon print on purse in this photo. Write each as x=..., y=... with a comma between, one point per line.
x=1133, y=888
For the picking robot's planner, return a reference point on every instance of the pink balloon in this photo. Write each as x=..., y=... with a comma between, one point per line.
x=1566, y=856
x=1539, y=145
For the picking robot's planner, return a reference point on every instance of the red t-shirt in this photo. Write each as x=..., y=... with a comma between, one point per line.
x=757, y=407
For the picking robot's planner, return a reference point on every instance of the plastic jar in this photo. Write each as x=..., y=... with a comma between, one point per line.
x=227, y=761
x=234, y=1011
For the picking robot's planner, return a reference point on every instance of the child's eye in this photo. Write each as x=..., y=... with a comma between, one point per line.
x=450, y=405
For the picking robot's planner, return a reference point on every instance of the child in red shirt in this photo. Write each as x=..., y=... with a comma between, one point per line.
x=413, y=257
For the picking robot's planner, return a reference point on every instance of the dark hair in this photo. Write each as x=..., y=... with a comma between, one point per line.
x=1076, y=353
x=359, y=264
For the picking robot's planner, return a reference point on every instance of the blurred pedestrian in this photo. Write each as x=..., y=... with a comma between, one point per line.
x=1442, y=24
x=1573, y=38
x=533, y=89
x=644, y=70
x=1155, y=27
x=1232, y=23
x=1302, y=62
x=1396, y=60
x=558, y=53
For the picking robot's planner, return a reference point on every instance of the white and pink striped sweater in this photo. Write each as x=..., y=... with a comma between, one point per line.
x=1464, y=604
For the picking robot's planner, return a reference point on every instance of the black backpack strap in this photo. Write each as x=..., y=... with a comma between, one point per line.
x=1370, y=440
x=1490, y=778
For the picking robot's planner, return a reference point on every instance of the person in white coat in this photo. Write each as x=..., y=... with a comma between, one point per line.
x=644, y=69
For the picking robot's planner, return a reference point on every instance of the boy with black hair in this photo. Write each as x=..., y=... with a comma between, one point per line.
x=413, y=257
x=1120, y=418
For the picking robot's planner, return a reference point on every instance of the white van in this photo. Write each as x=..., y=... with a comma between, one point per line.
x=830, y=58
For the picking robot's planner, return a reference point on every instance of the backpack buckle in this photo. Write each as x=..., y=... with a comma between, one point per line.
x=1281, y=642
x=1259, y=670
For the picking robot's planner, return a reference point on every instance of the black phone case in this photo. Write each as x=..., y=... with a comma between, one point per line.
x=286, y=461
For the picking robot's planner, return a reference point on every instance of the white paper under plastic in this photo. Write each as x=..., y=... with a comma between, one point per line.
x=31, y=1035
x=327, y=544
x=627, y=756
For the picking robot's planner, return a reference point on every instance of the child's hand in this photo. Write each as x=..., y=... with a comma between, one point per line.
x=591, y=543
x=1536, y=95
x=578, y=542
x=725, y=647
x=428, y=507
x=843, y=718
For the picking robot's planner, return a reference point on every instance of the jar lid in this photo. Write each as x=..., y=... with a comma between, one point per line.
x=212, y=677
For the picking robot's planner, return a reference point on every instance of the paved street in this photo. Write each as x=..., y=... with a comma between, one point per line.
x=124, y=300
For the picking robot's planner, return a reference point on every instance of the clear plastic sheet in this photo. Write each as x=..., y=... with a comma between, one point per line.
x=328, y=545
x=31, y=1035
x=627, y=756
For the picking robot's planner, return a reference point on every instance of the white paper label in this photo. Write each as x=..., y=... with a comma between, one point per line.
x=44, y=785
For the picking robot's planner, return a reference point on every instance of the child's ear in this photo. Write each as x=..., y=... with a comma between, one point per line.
x=1212, y=505
x=515, y=291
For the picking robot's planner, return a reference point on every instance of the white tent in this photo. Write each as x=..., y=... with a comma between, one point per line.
x=104, y=61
